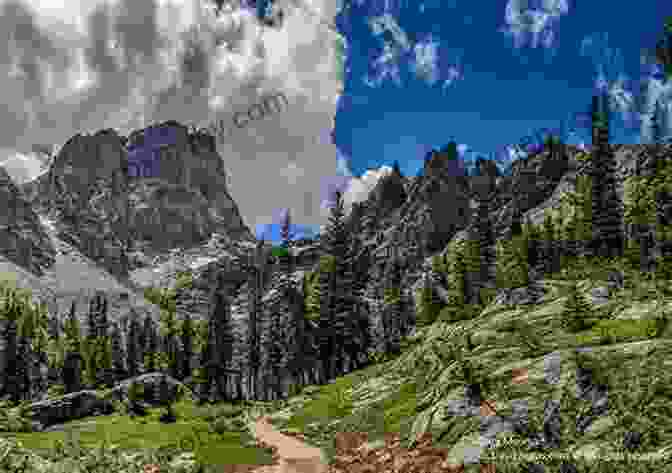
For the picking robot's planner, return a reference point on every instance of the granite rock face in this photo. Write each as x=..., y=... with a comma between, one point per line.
x=109, y=208
x=22, y=240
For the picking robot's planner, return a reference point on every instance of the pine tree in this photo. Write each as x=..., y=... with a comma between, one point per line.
x=222, y=338
x=135, y=394
x=169, y=330
x=396, y=169
x=606, y=218
x=72, y=365
x=118, y=352
x=357, y=261
x=657, y=120
x=392, y=309
x=100, y=315
x=22, y=368
x=462, y=262
x=512, y=261
x=101, y=341
x=187, y=333
x=338, y=327
x=152, y=345
x=133, y=353
x=201, y=378
x=483, y=190
x=255, y=288
x=34, y=332
x=276, y=350
x=428, y=309
x=106, y=376
x=297, y=323
x=576, y=312
x=549, y=245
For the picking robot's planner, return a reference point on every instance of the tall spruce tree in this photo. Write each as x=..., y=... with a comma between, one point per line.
x=12, y=372
x=169, y=329
x=150, y=336
x=338, y=326
x=72, y=365
x=296, y=322
x=255, y=289
x=606, y=214
x=222, y=338
x=356, y=265
x=392, y=310
x=118, y=354
x=187, y=333
x=276, y=339
x=550, y=252
x=483, y=187
x=133, y=352
x=657, y=124
x=575, y=315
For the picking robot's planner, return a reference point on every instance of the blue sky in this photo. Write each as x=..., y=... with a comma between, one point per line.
x=504, y=91
x=421, y=74
x=413, y=76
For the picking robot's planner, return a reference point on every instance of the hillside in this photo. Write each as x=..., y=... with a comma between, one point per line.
x=526, y=362
x=431, y=319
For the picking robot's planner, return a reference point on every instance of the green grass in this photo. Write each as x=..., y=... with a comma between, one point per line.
x=191, y=432
x=630, y=384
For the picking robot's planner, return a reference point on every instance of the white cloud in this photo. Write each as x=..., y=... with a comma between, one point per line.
x=83, y=66
x=534, y=23
x=426, y=60
x=359, y=187
x=22, y=167
x=423, y=56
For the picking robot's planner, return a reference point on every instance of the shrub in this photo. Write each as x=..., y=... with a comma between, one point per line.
x=428, y=307
x=55, y=390
x=576, y=312
x=133, y=405
x=168, y=415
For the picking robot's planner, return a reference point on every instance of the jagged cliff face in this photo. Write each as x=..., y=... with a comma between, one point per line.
x=123, y=208
x=22, y=240
x=441, y=205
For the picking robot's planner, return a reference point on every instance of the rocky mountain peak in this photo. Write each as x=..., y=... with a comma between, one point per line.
x=159, y=188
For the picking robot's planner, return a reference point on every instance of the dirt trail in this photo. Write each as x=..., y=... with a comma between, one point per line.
x=293, y=455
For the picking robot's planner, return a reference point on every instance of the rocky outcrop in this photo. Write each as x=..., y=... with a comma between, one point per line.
x=150, y=383
x=112, y=210
x=86, y=403
x=22, y=240
x=68, y=407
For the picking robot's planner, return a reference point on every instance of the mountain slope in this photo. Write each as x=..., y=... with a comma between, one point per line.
x=424, y=390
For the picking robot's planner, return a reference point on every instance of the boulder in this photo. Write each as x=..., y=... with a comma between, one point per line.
x=600, y=295
x=68, y=407
x=615, y=281
x=518, y=296
x=150, y=383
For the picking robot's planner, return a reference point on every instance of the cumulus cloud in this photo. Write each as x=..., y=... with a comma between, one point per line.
x=427, y=58
x=633, y=106
x=124, y=64
x=359, y=187
x=23, y=167
x=533, y=25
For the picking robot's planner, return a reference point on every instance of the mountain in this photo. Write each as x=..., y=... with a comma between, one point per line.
x=22, y=239
x=123, y=220
x=96, y=224
x=88, y=223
